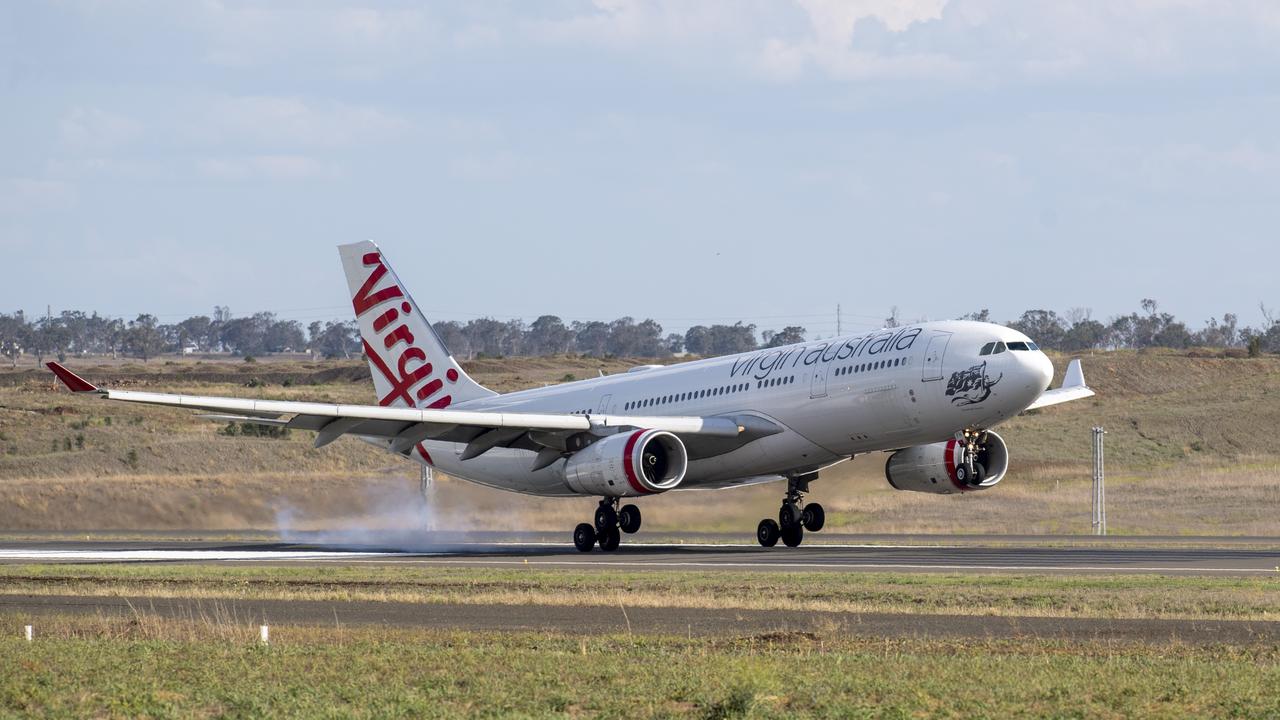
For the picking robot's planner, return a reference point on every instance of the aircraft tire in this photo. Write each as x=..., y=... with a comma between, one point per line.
x=767, y=532
x=610, y=539
x=814, y=517
x=606, y=517
x=629, y=519
x=793, y=536
x=979, y=474
x=584, y=537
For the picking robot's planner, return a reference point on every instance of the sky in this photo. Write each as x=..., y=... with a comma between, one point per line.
x=689, y=161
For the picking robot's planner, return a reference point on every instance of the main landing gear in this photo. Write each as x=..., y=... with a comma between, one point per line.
x=794, y=517
x=610, y=522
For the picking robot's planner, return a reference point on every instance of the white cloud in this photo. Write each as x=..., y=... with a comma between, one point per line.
x=251, y=36
x=289, y=122
x=265, y=167
x=95, y=129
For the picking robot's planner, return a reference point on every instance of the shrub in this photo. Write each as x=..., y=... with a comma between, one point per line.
x=248, y=429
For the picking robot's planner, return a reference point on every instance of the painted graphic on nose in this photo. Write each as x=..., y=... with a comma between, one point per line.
x=972, y=386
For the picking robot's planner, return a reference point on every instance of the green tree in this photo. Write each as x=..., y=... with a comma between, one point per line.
x=789, y=335
x=143, y=338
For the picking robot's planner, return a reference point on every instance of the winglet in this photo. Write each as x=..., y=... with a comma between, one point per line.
x=74, y=382
x=1073, y=388
x=1074, y=377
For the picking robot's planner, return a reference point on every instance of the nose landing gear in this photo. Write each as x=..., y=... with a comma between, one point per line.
x=610, y=523
x=794, y=517
x=972, y=469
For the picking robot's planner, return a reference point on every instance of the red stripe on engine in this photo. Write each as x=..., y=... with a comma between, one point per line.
x=951, y=465
x=626, y=463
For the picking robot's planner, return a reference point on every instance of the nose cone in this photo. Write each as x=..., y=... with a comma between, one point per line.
x=1044, y=366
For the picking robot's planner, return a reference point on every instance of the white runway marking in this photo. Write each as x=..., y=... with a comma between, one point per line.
x=186, y=555
x=826, y=566
x=451, y=555
x=354, y=554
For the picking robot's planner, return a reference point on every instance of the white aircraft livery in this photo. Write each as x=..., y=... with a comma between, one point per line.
x=927, y=393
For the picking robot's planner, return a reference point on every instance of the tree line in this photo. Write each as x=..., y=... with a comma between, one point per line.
x=73, y=332
x=1077, y=331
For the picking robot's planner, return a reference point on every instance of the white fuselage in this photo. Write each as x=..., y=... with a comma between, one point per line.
x=832, y=399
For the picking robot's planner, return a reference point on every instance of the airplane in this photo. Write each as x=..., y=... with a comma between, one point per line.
x=927, y=393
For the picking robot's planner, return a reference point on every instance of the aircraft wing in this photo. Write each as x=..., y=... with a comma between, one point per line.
x=1073, y=388
x=406, y=427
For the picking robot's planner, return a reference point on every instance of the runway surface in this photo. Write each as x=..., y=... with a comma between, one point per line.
x=949, y=556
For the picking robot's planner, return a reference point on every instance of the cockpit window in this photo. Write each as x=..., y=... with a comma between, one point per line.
x=986, y=349
x=1032, y=346
x=998, y=349
x=1018, y=346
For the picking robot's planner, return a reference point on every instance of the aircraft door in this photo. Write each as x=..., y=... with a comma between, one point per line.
x=933, y=356
x=818, y=385
x=602, y=407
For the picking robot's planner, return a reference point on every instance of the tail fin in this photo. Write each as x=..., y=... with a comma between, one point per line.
x=410, y=366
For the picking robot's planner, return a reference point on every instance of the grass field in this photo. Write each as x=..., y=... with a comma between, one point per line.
x=145, y=666
x=1190, y=447
x=1024, y=595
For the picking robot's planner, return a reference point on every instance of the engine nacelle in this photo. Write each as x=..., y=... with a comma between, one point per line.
x=932, y=468
x=628, y=464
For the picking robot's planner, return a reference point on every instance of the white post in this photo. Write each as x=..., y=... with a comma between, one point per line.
x=264, y=635
x=1099, y=500
x=30, y=633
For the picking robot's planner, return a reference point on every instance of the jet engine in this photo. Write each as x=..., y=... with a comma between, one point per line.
x=940, y=468
x=628, y=464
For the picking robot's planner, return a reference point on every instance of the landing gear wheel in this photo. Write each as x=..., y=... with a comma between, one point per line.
x=792, y=536
x=814, y=517
x=979, y=474
x=609, y=539
x=962, y=474
x=789, y=515
x=767, y=532
x=584, y=537
x=629, y=519
x=606, y=517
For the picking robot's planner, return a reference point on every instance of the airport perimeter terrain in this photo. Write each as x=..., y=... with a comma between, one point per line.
x=146, y=547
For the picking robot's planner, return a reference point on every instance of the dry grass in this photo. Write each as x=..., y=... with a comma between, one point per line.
x=1084, y=596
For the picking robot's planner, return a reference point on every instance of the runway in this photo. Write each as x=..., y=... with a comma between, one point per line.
x=497, y=549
